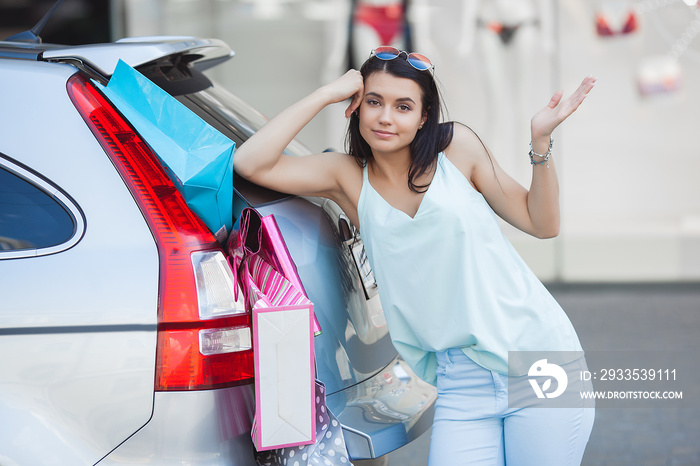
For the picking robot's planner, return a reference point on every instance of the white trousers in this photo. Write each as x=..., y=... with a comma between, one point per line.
x=474, y=424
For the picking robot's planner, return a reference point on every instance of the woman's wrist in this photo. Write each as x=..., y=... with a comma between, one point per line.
x=327, y=95
x=540, y=143
x=322, y=96
x=540, y=158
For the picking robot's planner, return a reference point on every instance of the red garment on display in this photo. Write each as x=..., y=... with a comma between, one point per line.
x=603, y=27
x=387, y=21
x=506, y=32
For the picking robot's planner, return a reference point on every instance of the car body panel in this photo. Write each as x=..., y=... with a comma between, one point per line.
x=208, y=427
x=63, y=384
x=76, y=359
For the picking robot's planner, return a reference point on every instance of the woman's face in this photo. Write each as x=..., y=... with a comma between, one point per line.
x=390, y=113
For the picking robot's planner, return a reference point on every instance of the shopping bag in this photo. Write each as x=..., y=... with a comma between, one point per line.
x=261, y=235
x=283, y=357
x=328, y=449
x=198, y=158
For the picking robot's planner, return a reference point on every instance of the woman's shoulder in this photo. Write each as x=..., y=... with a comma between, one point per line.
x=463, y=136
x=466, y=147
x=347, y=169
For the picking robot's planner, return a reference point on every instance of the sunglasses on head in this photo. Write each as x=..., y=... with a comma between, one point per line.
x=416, y=60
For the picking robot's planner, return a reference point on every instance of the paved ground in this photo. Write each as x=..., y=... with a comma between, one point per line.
x=628, y=317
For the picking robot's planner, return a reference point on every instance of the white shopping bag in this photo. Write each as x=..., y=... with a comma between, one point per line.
x=284, y=365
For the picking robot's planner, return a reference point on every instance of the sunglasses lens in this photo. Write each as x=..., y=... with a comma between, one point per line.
x=419, y=61
x=386, y=53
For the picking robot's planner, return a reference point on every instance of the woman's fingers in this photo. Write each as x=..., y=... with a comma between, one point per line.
x=347, y=85
x=350, y=85
x=353, y=87
x=556, y=98
x=579, y=94
x=354, y=104
x=570, y=105
x=558, y=109
x=583, y=90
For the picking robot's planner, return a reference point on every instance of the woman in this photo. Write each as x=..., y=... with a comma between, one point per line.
x=456, y=296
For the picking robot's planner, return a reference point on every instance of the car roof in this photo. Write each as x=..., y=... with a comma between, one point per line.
x=135, y=51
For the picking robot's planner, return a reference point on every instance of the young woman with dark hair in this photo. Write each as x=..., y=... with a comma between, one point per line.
x=457, y=297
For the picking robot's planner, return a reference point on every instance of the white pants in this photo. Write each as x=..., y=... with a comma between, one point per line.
x=474, y=424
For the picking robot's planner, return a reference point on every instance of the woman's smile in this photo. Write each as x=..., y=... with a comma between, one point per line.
x=383, y=134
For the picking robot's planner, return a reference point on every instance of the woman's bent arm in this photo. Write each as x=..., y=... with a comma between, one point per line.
x=261, y=160
x=543, y=197
x=535, y=211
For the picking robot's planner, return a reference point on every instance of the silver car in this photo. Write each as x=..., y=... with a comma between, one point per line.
x=104, y=272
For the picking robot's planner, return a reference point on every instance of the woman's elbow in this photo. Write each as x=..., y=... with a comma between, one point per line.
x=244, y=165
x=548, y=232
x=243, y=170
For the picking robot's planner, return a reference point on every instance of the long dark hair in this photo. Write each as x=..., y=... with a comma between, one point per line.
x=432, y=139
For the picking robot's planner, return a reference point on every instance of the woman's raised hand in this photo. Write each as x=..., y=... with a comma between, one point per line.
x=546, y=120
x=347, y=86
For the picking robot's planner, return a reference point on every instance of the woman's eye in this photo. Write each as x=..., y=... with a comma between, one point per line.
x=372, y=102
x=404, y=108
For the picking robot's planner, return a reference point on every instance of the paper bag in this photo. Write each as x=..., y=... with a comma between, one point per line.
x=198, y=158
x=284, y=359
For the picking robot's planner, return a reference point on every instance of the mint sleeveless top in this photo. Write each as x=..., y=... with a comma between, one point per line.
x=449, y=278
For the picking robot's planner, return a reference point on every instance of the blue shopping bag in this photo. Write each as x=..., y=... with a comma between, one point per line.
x=198, y=158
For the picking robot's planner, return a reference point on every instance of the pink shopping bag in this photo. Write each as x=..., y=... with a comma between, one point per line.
x=258, y=235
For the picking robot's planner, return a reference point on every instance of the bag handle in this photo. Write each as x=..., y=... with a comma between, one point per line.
x=245, y=242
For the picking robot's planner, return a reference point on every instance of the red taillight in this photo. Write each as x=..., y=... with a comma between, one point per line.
x=194, y=352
